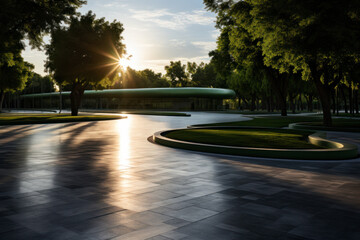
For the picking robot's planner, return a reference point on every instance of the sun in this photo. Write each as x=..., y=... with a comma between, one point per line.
x=125, y=62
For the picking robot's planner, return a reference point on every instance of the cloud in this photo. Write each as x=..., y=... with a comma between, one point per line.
x=174, y=21
x=115, y=5
x=206, y=46
x=177, y=43
x=197, y=59
x=200, y=17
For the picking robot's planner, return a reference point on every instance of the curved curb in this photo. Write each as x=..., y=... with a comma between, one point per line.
x=334, y=151
x=304, y=126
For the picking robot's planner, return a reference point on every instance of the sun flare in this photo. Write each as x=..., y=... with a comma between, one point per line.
x=124, y=63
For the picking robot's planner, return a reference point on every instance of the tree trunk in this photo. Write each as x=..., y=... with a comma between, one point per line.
x=279, y=83
x=333, y=101
x=310, y=103
x=76, y=94
x=9, y=101
x=351, y=106
x=246, y=104
x=2, y=97
x=268, y=105
x=344, y=98
x=337, y=101
x=292, y=104
x=356, y=100
x=281, y=95
x=324, y=93
x=60, y=100
x=324, y=96
x=253, y=99
x=301, y=103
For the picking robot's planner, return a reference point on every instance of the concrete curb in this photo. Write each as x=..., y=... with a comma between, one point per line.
x=334, y=150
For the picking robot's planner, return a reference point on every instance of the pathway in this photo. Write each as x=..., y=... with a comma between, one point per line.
x=104, y=180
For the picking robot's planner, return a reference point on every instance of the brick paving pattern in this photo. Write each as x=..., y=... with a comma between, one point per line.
x=104, y=180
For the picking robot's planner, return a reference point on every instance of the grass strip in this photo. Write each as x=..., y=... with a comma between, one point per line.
x=280, y=122
x=257, y=138
x=277, y=122
x=16, y=119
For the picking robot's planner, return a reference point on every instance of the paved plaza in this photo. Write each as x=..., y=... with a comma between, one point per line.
x=105, y=180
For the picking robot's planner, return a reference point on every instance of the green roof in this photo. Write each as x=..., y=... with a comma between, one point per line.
x=219, y=93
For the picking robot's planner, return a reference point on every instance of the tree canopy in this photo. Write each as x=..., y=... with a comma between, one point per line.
x=314, y=38
x=20, y=19
x=176, y=72
x=147, y=78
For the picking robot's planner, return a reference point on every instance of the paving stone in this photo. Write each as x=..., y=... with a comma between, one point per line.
x=174, y=235
x=104, y=180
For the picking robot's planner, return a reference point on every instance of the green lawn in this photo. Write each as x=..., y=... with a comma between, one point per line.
x=260, y=112
x=258, y=138
x=277, y=122
x=280, y=122
x=13, y=119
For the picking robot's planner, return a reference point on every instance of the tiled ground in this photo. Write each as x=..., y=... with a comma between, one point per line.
x=106, y=181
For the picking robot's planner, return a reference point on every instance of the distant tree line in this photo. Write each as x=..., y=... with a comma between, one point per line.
x=177, y=74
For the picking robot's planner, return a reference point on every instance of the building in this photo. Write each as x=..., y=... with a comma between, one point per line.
x=197, y=99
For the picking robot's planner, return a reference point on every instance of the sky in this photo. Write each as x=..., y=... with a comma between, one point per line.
x=156, y=31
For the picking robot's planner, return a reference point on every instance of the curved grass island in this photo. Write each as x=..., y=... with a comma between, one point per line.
x=257, y=142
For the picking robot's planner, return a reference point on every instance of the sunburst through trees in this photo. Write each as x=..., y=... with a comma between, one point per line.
x=85, y=54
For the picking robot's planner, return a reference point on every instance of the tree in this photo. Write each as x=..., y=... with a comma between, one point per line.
x=240, y=84
x=20, y=19
x=147, y=78
x=13, y=76
x=223, y=62
x=132, y=78
x=239, y=51
x=39, y=84
x=247, y=53
x=86, y=53
x=353, y=78
x=315, y=38
x=155, y=80
x=312, y=37
x=176, y=72
x=204, y=75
